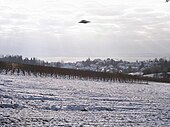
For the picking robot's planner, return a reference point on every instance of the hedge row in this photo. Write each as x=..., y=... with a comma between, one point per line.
x=36, y=70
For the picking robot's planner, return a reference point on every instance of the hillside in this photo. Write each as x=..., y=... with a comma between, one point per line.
x=45, y=101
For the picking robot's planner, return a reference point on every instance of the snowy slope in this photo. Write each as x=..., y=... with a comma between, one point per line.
x=45, y=101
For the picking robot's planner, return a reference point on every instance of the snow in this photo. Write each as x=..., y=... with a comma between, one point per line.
x=46, y=101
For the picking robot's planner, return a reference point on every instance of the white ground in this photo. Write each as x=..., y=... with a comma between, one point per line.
x=36, y=101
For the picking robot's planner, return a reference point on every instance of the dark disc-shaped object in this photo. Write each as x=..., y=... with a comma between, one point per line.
x=84, y=21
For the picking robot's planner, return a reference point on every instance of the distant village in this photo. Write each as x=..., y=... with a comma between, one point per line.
x=150, y=68
x=159, y=68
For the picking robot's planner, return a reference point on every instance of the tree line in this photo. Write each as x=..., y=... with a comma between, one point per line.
x=37, y=70
x=161, y=66
x=33, y=61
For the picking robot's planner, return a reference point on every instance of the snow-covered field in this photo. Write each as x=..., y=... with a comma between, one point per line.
x=45, y=101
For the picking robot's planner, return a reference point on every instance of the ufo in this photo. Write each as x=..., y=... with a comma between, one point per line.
x=84, y=21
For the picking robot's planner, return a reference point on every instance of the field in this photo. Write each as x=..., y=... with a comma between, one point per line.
x=46, y=101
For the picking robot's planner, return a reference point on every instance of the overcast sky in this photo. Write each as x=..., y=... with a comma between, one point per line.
x=51, y=28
